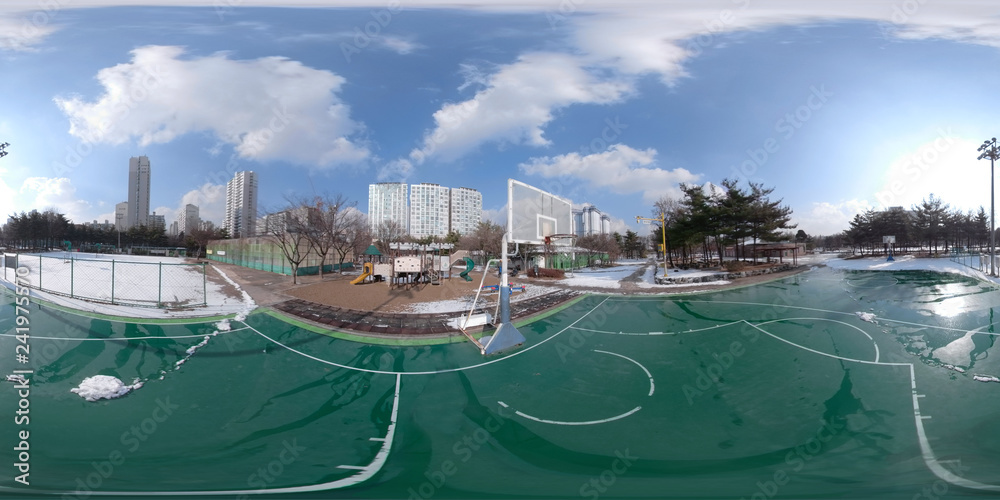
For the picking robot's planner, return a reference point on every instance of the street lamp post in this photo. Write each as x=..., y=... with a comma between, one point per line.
x=663, y=231
x=118, y=226
x=989, y=150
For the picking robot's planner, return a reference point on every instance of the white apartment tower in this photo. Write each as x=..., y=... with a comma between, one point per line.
x=466, y=210
x=189, y=220
x=138, y=192
x=429, y=210
x=241, y=205
x=589, y=220
x=387, y=202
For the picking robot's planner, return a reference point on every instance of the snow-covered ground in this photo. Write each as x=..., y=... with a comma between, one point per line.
x=217, y=302
x=910, y=263
x=600, y=278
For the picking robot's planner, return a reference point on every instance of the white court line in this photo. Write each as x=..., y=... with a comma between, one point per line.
x=591, y=422
x=927, y=452
x=832, y=321
x=643, y=334
x=432, y=372
x=366, y=473
x=650, y=375
x=38, y=337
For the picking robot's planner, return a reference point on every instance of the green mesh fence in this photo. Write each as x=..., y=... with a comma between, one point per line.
x=114, y=281
x=264, y=254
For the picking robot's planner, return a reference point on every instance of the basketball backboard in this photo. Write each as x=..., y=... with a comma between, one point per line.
x=533, y=214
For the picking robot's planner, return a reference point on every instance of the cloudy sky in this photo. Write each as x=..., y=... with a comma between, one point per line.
x=837, y=105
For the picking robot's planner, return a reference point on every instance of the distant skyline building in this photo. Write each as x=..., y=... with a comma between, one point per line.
x=429, y=210
x=466, y=210
x=138, y=191
x=189, y=219
x=387, y=201
x=241, y=205
x=121, y=216
x=589, y=220
x=157, y=221
x=174, y=229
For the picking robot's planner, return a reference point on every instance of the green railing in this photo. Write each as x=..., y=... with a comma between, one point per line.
x=112, y=281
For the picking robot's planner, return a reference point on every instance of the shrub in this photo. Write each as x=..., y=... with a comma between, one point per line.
x=734, y=266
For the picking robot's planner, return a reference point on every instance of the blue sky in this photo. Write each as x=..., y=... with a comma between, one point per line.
x=838, y=107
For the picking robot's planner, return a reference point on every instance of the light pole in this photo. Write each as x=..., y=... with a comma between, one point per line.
x=663, y=232
x=118, y=226
x=989, y=150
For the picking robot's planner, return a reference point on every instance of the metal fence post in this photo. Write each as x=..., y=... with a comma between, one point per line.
x=204, y=284
x=72, y=261
x=159, y=287
x=112, y=281
x=39, y=272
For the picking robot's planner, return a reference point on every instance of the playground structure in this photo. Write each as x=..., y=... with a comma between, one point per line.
x=411, y=270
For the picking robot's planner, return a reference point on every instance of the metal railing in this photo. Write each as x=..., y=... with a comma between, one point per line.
x=112, y=281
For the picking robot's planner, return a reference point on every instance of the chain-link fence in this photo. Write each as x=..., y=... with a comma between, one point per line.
x=975, y=259
x=115, y=281
x=263, y=253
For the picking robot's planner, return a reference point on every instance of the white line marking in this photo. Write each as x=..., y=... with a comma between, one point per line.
x=589, y=422
x=433, y=372
x=356, y=467
x=832, y=321
x=367, y=472
x=38, y=337
x=650, y=375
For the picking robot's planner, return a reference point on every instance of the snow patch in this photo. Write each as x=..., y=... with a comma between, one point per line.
x=865, y=316
x=958, y=369
x=17, y=378
x=223, y=326
x=104, y=387
x=985, y=378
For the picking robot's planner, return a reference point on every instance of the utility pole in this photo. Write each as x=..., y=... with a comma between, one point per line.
x=989, y=150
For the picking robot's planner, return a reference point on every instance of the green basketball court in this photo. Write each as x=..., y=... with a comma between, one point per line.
x=778, y=390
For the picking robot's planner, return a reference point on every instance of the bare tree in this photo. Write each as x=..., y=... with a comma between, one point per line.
x=359, y=236
x=386, y=233
x=341, y=226
x=289, y=229
x=486, y=239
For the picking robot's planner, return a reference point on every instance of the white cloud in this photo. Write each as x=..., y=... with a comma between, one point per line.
x=270, y=108
x=395, y=171
x=826, y=219
x=58, y=193
x=23, y=31
x=397, y=44
x=621, y=169
x=518, y=101
x=945, y=166
x=210, y=200
x=496, y=216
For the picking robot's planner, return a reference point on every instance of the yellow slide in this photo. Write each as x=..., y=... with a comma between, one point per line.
x=367, y=271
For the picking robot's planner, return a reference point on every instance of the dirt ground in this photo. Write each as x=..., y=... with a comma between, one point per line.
x=338, y=291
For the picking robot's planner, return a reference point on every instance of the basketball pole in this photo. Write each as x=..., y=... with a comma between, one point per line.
x=506, y=335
